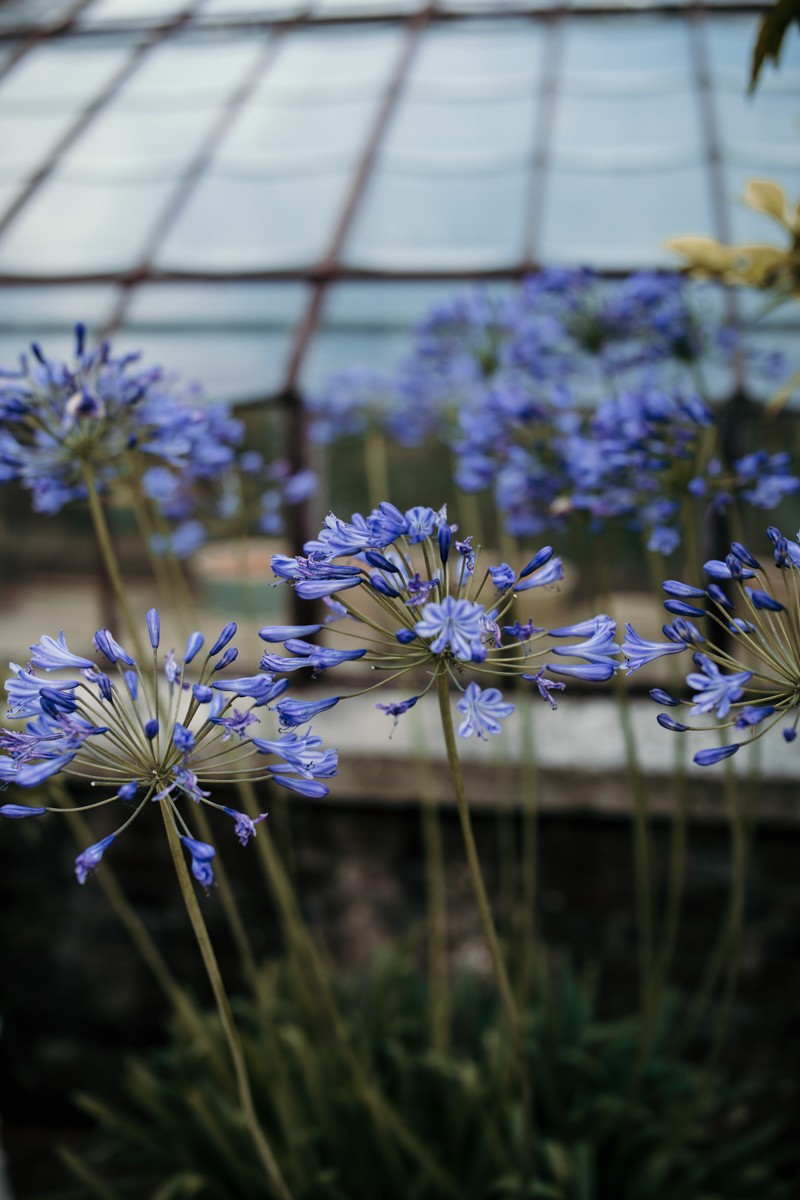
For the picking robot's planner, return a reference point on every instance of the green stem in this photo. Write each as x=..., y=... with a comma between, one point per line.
x=507, y=997
x=376, y=465
x=435, y=891
x=473, y=862
x=727, y=948
x=739, y=852
x=642, y=857
x=642, y=850
x=229, y=907
x=103, y=535
x=262, y=1146
x=677, y=871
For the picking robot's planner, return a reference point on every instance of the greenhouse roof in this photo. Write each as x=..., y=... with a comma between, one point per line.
x=259, y=193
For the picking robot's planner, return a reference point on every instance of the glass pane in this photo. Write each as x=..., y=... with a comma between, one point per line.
x=644, y=54
x=192, y=72
x=271, y=133
x=156, y=124
x=128, y=147
x=635, y=122
x=67, y=75
x=336, y=8
x=233, y=339
x=458, y=220
x=28, y=140
x=424, y=127
x=355, y=60
x=240, y=224
x=37, y=309
x=78, y=228
x=132, y=10
x=49, y=315
x=471, y=57
x=214, y=9
x=752, y=127
x=621, y=219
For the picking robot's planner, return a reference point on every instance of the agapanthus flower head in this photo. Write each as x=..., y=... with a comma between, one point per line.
x=163, y=731
x=746, y=673
x=111, y=415
x=424, y=603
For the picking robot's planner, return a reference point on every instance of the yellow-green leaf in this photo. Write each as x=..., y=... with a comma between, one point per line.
x=768, y=197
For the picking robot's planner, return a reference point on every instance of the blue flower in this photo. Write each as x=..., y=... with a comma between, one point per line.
x=484, y=708
x=86, y=862
x=639, y=652
x=600, y=647
x=201, y=854
x=52, y=655
x=715, y=692
x=753, y=695
x=453, y=624
x=293, y=713
x=413, y=569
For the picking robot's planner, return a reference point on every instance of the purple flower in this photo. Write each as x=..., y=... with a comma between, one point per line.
x=503, y=577
x=546, y=686
x=245, y=826
x=397, y=708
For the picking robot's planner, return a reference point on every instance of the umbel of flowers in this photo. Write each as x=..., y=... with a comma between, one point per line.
x=746, y=659
x=438, y=611
x=160, y=732
x=435, y=610
x=70, y=429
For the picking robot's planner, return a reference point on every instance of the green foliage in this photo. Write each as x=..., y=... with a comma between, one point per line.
x=611, y=1123
x=771, y=32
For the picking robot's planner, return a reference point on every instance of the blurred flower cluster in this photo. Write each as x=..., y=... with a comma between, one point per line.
x=569, y=395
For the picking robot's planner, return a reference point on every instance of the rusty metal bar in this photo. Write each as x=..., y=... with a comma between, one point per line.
x=311, y=275
x=330, y=268
x=245, y=23
x=189, y=179
x=543, y=135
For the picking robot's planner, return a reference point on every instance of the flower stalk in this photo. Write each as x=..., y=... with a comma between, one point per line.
x=200, y=929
